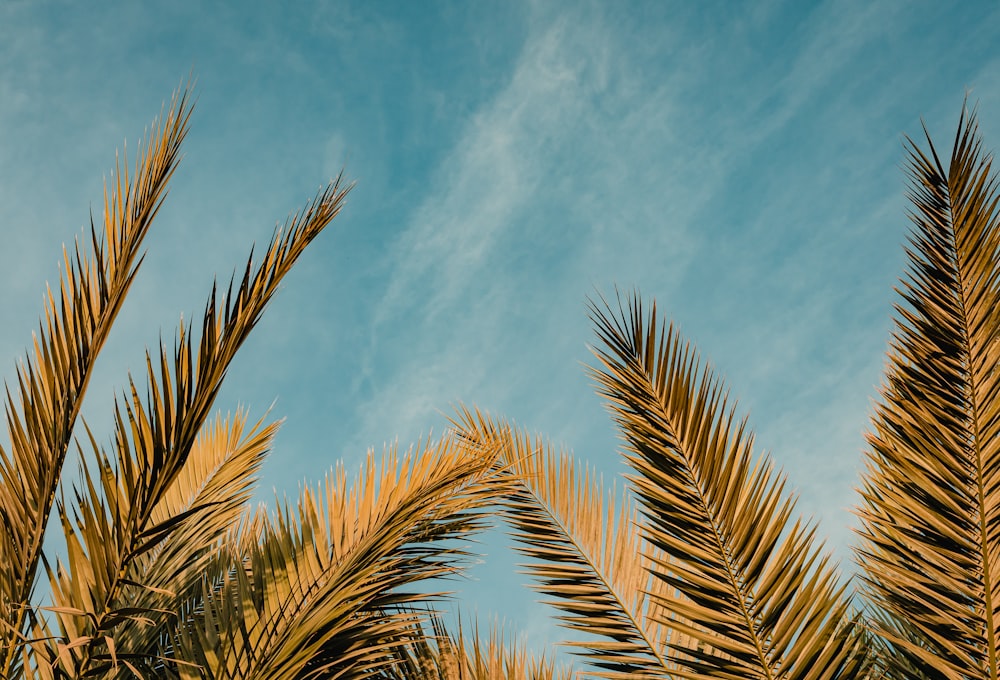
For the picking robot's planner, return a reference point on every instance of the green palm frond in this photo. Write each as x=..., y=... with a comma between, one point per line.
x=43, y=408
x=118, y=512
x=586, y=548
x=754, y=585
x=326, y=589
x=931, y=497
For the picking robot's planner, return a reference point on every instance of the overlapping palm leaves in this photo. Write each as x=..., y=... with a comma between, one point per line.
x=345, y=606
x=585, y=549
x=714, y=580
x=42, y=410
x=164, y=572
x=740, y=588
x=700, y=568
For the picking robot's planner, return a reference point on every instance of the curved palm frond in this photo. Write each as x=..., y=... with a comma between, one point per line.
x=587, y=550
x=210, y=495
x=52, y=380
x=754, y=585
x=931, y=498
x=216, y=483
x=325, y=590
x=115, y=520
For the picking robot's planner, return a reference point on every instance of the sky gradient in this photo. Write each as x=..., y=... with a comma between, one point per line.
x=741, y=165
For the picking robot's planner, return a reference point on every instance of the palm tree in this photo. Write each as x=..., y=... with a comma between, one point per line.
x=702, y=569
x=166, y=571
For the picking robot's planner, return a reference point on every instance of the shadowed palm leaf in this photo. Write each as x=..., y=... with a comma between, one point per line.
x=931, y=498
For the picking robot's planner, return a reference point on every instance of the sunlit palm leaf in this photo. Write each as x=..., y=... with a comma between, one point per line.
x=469, y=656
x=43, y=409
x=931, y=509
x=326, y=590
x=756, y=586
x=115, y=519
x=586, y=548
x=218, y=478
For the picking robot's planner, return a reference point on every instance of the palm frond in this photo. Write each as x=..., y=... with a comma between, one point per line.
x=51, y=382
x=210, y=493
x=931, y=498
x=441, y=655
x=216, y=483
x=326, y=591
x=115, y=521
x=586, y=548
x=755, y=586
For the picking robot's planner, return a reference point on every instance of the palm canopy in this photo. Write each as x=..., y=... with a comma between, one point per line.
x=167, y=572
x=700, y=569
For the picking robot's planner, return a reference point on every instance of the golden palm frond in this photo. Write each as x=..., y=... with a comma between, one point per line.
x=325, y=591
x=216, y=483
x=115, y=520
x=931, y=497
x=755, y=586
x=441, y=655
x=218, y=480
x=586, y=548
x=51, y=382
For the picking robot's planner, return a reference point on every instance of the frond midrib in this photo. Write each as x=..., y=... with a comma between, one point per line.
x=731, y=573
x=975, y=409
x=595, y=569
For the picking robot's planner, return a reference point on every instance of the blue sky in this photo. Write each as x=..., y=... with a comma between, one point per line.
x=738, y=162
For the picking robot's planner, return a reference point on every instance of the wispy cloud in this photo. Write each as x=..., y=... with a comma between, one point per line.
x=494, y=264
